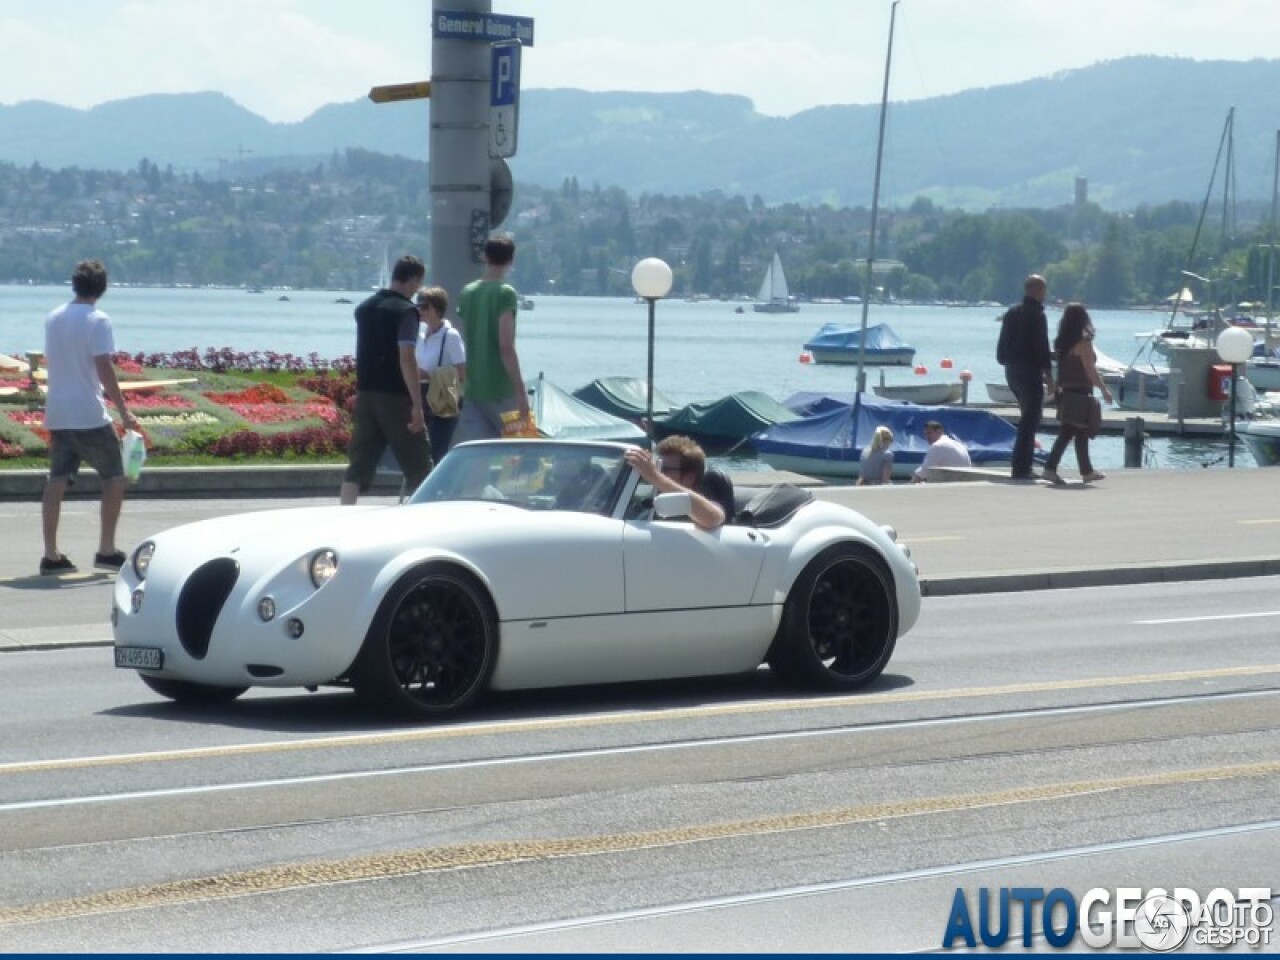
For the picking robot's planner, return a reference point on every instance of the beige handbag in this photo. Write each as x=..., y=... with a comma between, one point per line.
x=442, y=388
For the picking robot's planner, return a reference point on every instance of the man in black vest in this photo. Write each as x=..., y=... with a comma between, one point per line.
x=388, y=410
x=1023, y=351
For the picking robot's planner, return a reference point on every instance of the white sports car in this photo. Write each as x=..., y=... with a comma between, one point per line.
x=516, y=564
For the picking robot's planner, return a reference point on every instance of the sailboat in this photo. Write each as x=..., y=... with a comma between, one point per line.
x=384, y=275
x=773, y=296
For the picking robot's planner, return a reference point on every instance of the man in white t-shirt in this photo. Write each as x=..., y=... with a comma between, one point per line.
x=78, y=345
x=944, y=451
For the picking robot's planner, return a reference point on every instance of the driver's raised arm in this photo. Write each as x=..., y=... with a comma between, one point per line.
x=705, y=513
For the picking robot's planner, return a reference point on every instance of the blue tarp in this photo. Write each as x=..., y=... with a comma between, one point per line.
x=839, y=336
x=838, y=432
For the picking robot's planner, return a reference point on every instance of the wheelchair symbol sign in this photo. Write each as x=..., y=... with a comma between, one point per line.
x=504, y=97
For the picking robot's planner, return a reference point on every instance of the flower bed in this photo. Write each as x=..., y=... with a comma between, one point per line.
x=240, y=405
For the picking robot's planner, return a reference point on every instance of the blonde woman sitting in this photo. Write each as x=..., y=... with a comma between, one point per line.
x=876, y=464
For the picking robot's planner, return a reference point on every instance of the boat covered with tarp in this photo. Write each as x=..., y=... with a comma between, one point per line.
x=828, y=442
x=625, y=397
x=726, y=423
x=562, y=416
x=839, y=343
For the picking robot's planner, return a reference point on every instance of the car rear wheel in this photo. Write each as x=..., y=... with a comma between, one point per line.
x=432, y=647
x=840, y=622
x=191, y=694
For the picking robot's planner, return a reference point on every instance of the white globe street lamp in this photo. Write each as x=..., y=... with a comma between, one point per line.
x=651, y=278
x=1235, y=346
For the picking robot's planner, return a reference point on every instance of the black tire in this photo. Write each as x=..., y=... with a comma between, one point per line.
x=191, y=694
x=432, y=646
x=840, y=622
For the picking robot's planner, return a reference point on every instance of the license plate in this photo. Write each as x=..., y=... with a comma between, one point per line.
x=140, y=658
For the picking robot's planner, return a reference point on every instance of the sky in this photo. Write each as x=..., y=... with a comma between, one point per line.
x=284, y=59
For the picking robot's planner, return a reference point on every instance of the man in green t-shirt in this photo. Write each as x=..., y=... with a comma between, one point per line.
x=494, y=386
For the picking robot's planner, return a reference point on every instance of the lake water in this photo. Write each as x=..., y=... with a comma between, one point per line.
x=702, y=351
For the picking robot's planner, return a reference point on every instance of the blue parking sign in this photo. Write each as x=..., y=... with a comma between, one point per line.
x=504, y=98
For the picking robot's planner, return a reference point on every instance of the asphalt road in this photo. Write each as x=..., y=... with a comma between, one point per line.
x=1120, y=736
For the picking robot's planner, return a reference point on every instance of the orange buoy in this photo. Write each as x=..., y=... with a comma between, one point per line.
x=806, y=357
x=921, y=370
x=946, y=363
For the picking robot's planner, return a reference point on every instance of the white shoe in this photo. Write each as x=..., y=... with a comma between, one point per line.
x=1093, y=476
x=1052, y=477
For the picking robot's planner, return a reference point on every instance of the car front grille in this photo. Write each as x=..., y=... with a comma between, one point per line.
x=201, y=601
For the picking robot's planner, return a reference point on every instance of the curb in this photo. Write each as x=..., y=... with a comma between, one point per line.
x=1099, y=577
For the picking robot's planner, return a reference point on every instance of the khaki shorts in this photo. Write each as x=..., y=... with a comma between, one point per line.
x=99, y=447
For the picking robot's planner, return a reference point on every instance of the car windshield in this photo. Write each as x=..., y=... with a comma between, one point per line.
x=530, y=474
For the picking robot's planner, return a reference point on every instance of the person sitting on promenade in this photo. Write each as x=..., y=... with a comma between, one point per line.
x=944, y=451
x=1077, y=375
x=875, y=466
x=681, y=466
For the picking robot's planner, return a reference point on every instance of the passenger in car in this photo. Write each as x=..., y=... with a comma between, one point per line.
x=681, y=465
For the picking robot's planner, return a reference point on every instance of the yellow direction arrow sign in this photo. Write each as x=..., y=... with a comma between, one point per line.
x=392, y=92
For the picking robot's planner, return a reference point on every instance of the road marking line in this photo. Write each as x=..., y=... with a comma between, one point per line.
x=1207, y=619
x=499, y=852
x=489, y=728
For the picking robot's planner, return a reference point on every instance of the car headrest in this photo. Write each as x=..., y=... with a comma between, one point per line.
x=773, y=506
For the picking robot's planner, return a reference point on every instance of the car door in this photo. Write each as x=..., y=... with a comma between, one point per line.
x=674, y=565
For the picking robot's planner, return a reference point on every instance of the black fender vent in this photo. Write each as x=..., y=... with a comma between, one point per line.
x=201, y=601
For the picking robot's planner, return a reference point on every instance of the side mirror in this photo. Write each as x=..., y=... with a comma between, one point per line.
x=667, y=506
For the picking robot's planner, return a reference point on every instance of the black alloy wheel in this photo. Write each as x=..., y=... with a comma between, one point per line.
x=840, y=622
x=432, y=647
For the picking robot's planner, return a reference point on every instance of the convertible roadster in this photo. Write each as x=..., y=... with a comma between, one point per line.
x=516, y=564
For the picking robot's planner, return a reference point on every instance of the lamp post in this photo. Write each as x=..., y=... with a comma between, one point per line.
x=1235, y=347
x=651, y=279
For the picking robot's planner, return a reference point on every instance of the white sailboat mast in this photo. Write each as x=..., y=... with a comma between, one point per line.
x=875, y=207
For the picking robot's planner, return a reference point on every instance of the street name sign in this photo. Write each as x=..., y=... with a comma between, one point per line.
x=483, y=27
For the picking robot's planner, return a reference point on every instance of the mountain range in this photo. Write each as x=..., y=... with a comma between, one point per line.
x=1140, y=130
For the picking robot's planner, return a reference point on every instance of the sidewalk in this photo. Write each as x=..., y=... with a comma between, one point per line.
x=981, y=536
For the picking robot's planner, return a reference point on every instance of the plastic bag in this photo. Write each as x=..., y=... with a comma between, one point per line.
x=513, y=426
x=133, y=451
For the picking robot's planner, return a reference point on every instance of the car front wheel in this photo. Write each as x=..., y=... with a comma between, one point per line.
x=840, y=622
x=432, y=646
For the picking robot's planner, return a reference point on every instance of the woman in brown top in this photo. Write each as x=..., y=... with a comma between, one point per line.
x=1077, y=374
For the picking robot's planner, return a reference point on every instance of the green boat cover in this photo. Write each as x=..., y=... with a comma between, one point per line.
x=561, y=416
x=728, y=421
x=624, y=397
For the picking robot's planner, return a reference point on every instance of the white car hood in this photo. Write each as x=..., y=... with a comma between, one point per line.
x=290, y=531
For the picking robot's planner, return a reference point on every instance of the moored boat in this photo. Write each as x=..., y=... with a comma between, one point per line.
x=829, y=442
x=725, y=424
x=562, y=416
x=929, y=394
x=625, y=397
x=840, y=343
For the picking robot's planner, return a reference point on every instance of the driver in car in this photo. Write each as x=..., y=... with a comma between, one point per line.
x=681, y=466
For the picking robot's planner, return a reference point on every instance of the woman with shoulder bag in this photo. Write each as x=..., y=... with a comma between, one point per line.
x=442, y=362
x=1079, y=413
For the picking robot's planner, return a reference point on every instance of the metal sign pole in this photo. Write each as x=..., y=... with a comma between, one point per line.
x=459, y=144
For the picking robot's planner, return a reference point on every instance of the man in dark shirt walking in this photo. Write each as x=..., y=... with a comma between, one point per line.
x=388, y=409
x=1023, y=351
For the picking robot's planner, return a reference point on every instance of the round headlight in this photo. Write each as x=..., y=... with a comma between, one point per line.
x=142, y=559
x=323, y=566
x=267, y=609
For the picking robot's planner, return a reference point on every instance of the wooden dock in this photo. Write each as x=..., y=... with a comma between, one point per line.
x=1154, y=424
